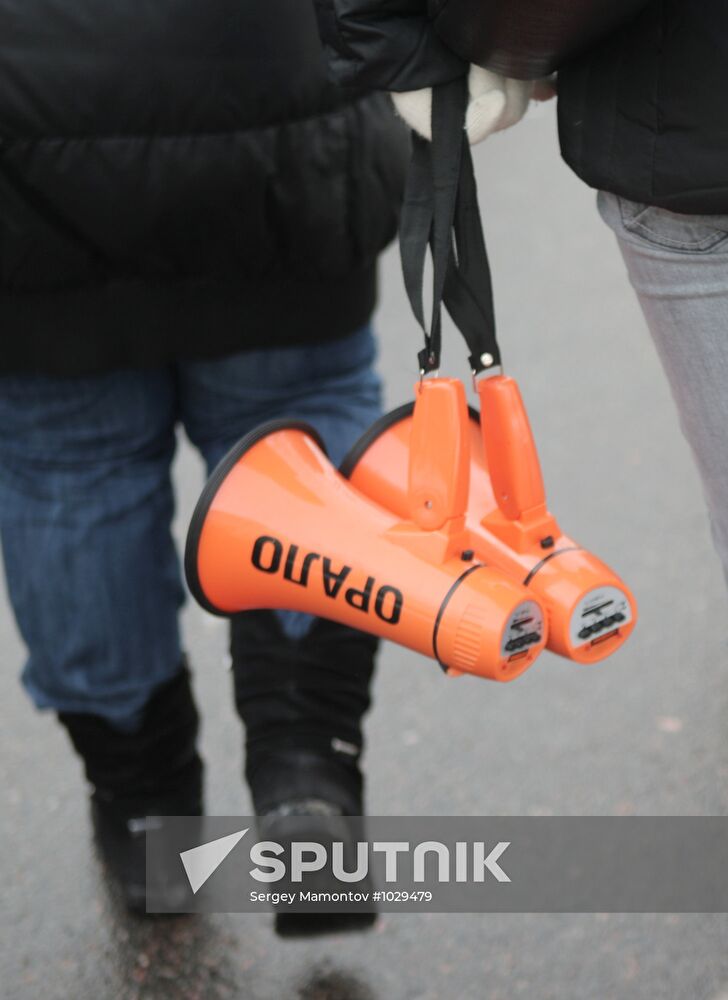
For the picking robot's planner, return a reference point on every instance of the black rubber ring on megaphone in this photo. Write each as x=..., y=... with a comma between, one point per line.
x=209, y=492
x=441, y=611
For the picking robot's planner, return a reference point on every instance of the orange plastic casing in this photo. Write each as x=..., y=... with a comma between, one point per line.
x=278, y=527
x=590, y=611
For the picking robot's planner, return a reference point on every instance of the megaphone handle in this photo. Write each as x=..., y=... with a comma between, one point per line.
x=439, y=454
x=513, y=464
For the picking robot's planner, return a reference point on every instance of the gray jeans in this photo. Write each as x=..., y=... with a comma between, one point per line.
x=678, y=265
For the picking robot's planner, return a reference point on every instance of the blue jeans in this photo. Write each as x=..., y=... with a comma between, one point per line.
x=86, y=503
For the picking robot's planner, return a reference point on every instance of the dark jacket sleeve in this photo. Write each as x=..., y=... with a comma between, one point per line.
x=408, y=44
x=528, y=39
x=386, y=44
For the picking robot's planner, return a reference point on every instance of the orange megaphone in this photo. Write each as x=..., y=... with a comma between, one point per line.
x=277, y=526
x=590, y=611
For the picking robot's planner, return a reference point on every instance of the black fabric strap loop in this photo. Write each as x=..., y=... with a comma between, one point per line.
x=441, y=210
x=414, y=236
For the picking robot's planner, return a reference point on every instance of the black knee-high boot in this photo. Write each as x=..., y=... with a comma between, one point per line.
x=302, y=702
x=155, y=770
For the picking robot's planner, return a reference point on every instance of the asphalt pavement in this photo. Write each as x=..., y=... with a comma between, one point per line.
x=644, y=733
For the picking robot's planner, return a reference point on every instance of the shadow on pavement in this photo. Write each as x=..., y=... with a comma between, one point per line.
x=328, y=983
x=191, y=957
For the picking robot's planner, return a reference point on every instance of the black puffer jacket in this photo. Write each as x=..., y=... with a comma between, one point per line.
x=643, y=114
x=642, y=85
x=179, y=178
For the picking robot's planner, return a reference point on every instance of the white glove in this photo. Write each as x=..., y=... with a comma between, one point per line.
x=496, y=102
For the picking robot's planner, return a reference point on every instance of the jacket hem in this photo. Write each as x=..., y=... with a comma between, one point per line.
x=143, y=324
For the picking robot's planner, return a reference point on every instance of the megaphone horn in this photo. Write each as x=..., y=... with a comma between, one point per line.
x=277, y=526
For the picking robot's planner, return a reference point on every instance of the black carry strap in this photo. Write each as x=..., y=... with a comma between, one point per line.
x=441, y=210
